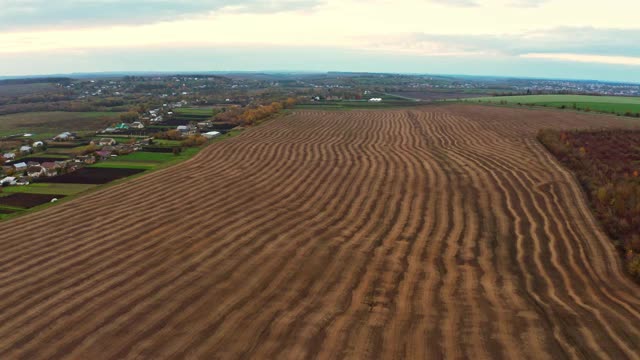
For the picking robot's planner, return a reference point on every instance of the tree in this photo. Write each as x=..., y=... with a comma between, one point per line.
x=169, y=135
x=289, y=103
x=129, y=117
x=194, y=140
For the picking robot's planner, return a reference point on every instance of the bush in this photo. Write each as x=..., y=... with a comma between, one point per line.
x=169, y=135
x=194, y=140
x=633, y=266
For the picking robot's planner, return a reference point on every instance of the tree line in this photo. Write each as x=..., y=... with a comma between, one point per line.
x=607, y=165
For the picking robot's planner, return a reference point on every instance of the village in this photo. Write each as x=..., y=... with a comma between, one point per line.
x=156, y=131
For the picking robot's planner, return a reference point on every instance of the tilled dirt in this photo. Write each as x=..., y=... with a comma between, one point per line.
x=442, y=232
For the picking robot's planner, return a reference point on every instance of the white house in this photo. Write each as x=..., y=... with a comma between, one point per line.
x=107, y=142
x=9, y=180
x=211, y=134
x=36, y=171
x=38, y=144
x=64, y=136
x=375, y=100
x=9, y=156
x=136, y=125
x=26, y=149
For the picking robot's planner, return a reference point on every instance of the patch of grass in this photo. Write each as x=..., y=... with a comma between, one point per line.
x=118, y=139
x=607, y=104
x=49, y=188
x=200, y=111
x=48, y=154
x=117, y=164
x=47, y=124
x=145, y=156
x=61, y=152
x=168, y=143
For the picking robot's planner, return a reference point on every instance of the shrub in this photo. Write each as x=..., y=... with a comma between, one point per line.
x=194, y=140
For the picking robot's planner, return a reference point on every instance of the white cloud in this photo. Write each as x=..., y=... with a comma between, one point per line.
x=436, y=28
x=586, y=58
x=21, y=14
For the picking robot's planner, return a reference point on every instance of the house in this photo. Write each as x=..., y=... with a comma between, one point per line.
x=107, y=142
x=63, y=164
x=9, y=156
x=65, y=136
x=9, y=180
x=35, y=171
x=122, y=126
x=72, y=166
x=103, y=155
x=50, y=168
x=32, y=163
x=22, y=180
x=21, y=166
x=26, y=149
x=109, y=130
x=38, y=144
x=183, y=128
x=87, y=159
x=375, y=100
x=136, y=125
x=211, y=134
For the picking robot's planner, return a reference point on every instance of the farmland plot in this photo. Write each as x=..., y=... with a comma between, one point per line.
x=423, y=233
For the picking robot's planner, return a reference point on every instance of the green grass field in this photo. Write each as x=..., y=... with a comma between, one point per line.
x=120, y=164
x=118, y=139
x=162, y=142
x=143, y=160
x=607, y=104
x=49, y=188
x=203, y=111
x=45, y=125
x=144, y=156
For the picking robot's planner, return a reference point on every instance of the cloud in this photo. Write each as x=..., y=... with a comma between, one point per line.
x=586, y=58
x=20, y=14
x=527, y=3
x=583, y=40
x=457, y=3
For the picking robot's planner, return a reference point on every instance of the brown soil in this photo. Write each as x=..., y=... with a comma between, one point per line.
x=425, y=233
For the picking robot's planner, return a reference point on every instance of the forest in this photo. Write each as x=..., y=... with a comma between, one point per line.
x=607, y=165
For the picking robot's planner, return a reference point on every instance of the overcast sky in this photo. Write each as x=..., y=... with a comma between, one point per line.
x=537, y=38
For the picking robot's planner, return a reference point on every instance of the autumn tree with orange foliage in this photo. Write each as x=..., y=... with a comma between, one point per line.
x=253, y=113
x=169, y=135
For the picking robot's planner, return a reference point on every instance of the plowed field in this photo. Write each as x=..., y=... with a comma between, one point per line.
x=423, y=233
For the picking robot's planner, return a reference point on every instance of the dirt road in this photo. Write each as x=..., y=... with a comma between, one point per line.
x=425, y=233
